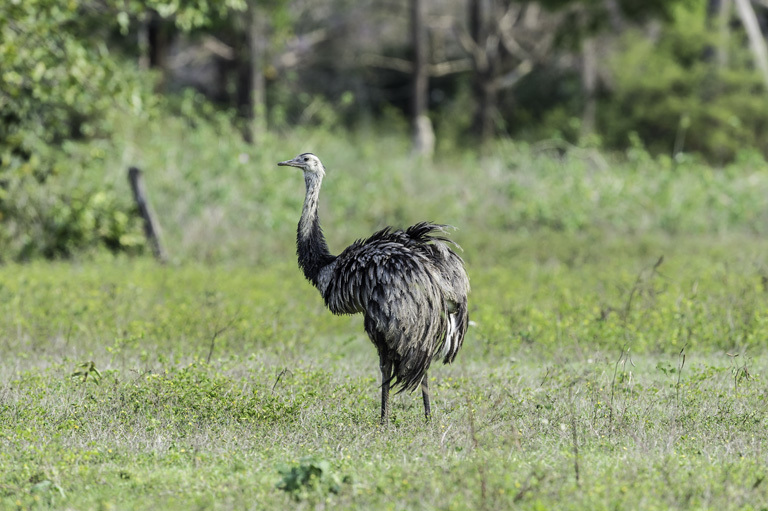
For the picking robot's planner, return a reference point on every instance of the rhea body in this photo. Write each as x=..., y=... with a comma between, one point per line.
x=410, y=286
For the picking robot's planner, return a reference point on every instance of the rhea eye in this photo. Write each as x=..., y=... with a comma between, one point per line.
x=306, y=159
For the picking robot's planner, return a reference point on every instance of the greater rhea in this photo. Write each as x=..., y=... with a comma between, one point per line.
x=409, y=284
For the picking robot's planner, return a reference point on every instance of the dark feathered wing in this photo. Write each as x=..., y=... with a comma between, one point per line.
x=412, y=289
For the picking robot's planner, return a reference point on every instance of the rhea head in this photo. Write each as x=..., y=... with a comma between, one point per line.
x=307, y=162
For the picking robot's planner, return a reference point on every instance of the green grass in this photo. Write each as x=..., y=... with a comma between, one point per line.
x=655, y=402
x=595, y=375
x=222, y=201
x=219, y=436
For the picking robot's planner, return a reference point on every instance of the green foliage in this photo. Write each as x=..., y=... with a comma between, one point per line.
x=309, y=477
x=86, y=370
x=62, y=87
x=227, y=201
x=55, y=84
x=56, y=220
x=663, y=87
x=76, y=113
x=677, y=101
x=635, y=10
x=59, y=89
x=185, y=14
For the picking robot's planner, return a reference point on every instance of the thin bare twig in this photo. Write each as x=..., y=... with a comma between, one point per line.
x=680, y=365
x=406, y=66
x=622, y=357
x=636, y=286
x=481, y=467
x=218, y=332
x=280, y=375
x=574, y=436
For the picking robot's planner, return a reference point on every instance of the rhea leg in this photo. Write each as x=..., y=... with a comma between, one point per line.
x=386, y=378
x=425, y=396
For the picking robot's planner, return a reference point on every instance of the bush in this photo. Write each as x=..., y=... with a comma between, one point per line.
x=59, y=88
x=678, y=101
x=69, y=209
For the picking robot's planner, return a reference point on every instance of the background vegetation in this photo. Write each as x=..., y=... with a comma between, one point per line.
x=90, y=87
x=613, y=221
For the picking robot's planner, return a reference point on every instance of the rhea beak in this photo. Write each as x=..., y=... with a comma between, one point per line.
x=288, y=163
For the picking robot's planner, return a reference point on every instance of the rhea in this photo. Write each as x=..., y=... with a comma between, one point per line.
x=410, y=286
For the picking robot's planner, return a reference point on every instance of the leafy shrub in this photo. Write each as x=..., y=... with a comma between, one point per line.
x=659, y=86
x=63, y=91
x=55, y=221
x=309, y=477
x=678, y=101
x=58, y=90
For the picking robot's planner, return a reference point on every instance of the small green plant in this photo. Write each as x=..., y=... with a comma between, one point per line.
x=311, y=476
x=44, y=490
x=87, y=370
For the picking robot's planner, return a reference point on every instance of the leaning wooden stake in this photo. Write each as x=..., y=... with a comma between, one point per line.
x=151, y=227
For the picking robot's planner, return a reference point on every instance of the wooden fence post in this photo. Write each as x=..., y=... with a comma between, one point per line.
x=151, y=227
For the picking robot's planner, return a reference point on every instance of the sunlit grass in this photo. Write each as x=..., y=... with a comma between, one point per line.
x=616, y=357
x=598, y=433
x=219, y=385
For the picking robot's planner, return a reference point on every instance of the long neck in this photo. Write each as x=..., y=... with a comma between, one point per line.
x=310, y=242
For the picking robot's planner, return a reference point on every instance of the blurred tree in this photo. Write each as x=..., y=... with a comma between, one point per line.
x=505, y=41
x=717, y=22
x=584, y=22
x=756, y=38
x=667, y=95
x=423, y=134
x=612, y=11
x=257, y=36
x=485, y=48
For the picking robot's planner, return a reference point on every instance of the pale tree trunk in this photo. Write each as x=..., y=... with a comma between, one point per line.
x=589, y=84
x=718, y=14
x=423, y=134
x=756, y=40
x=143, y=42
x=484, y=85
x=257, y=31
x=614, y=15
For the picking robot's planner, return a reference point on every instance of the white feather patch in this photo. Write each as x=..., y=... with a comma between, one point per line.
x=450, y=336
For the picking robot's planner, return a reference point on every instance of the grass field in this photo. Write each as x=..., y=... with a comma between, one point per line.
x=232, y=388
x=617, y=357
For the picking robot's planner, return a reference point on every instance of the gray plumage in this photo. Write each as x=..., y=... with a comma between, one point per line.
x=409, y=285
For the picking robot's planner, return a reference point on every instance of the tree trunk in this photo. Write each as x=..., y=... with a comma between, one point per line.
x=153, y=40
x=614, y=15
x=158, y=43
x=142, y=38
x=256, y=109
x=756, y=39
x=486, y=98
x=718, y=13
x=485, y=64
x=423, y=134
x=588, y=84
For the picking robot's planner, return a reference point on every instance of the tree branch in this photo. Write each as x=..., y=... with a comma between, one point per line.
x=406, y=66
x=509, y=79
